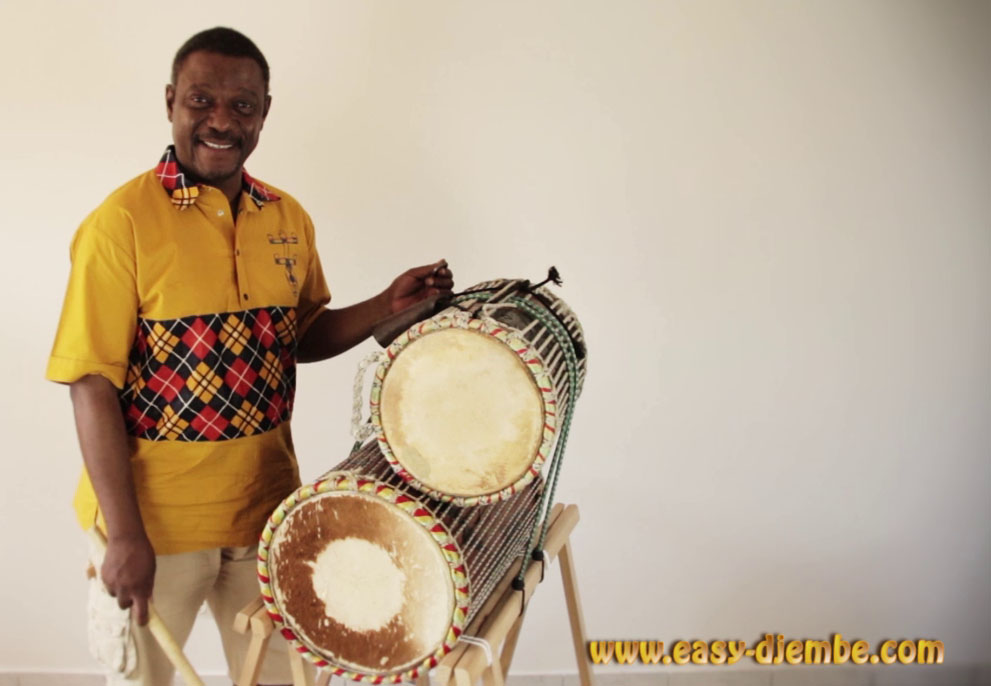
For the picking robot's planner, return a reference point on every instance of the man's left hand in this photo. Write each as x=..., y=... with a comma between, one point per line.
x=419, y=283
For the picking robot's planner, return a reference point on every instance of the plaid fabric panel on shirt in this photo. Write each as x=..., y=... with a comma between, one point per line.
x=184, y=192
x=211, y=377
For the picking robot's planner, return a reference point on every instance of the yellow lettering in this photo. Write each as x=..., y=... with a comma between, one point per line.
x=887, y=657
x=737, y=649
x=779, y=655
x=700, y=655
x=651, y=652
x=681, y=653
x=600, y=651
x=626, y=652
x=906, y=652
x=764, y=650
x=718, y=653
x=930, y=651
x=841, y=649
x=793, y=653
x=818, y=653
x=859, y=652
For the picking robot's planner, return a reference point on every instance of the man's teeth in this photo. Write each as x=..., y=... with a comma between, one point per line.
x=217, y=146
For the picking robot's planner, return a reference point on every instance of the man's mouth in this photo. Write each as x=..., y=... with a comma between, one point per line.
x=217, y=146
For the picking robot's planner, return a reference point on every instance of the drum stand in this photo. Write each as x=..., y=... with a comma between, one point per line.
x=501, y=618
x=497, y=624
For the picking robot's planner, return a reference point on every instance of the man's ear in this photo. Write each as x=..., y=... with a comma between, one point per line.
x=268, y=104
x=169, y=99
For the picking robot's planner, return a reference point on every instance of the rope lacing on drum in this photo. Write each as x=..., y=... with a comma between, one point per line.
x=362, y=430
x=568, y=345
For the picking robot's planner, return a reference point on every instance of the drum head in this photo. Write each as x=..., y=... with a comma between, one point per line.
x=461, y=412
x=361, y=583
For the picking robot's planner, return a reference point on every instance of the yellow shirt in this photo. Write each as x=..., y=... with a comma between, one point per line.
x=195, y=319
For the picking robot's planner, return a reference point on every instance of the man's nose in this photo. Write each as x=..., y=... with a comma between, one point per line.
x=220, y=120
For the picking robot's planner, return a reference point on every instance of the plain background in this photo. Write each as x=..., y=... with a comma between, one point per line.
x=773, y=219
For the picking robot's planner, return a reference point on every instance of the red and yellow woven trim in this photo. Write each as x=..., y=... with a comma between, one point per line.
x=352, y=482
x=531, y=361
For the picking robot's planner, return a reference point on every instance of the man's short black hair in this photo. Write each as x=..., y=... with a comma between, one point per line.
x=223, y=41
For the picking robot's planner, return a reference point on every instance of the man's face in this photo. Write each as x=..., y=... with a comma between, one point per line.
x=217, y=107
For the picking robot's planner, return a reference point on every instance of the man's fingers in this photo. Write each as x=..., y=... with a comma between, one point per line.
x=441, y=278
x=427, y=269
x=439, y=282
x=139, y=612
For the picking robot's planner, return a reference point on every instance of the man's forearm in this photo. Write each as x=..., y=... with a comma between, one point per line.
x=335, y=331
x=128, y=569
x=104, y=444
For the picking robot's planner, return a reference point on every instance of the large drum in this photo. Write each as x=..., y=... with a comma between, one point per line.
x=465, y=404
x=374, y=580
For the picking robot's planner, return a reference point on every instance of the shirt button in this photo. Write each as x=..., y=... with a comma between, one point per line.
x=237, y=253
x=220, y=213
x=245, y=296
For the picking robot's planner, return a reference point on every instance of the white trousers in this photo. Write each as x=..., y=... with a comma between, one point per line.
x=225, y=578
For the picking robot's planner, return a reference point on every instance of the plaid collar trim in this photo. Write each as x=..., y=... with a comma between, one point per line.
x=184, y=192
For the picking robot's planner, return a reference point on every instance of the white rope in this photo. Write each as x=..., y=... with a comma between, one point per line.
x=480, y=642
x=360, y=429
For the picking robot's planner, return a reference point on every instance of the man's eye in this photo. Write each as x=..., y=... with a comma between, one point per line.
x=245, y=107
x=199, y=100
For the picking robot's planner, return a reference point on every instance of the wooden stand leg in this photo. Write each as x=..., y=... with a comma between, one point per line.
x=261, y=628
x=575, y=614
x=493, y=676
x=255, y=619
x=300, y=676
x=253, y=663
x=323, y=679
x=509, y=645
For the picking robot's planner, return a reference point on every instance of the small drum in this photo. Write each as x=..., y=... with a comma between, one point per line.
x=372, y=579
x=465, y=404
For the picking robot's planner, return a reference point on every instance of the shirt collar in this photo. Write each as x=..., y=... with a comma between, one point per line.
x=184, y=192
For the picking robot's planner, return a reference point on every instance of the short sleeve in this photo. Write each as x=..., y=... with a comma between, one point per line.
x=313, y=293
x=100, y=310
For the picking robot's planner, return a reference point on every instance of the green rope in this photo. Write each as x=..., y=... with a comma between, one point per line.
x=554, y=469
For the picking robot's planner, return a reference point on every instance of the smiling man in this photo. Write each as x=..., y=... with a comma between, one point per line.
x=213, y=142
x=194, y=291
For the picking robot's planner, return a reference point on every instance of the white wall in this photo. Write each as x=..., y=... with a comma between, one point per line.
x=772, y=217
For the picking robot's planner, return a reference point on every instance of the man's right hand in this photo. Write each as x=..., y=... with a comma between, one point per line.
x=128, y=572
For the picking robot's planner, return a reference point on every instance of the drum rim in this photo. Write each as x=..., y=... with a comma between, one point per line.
x=346, y=481
x=531, y=361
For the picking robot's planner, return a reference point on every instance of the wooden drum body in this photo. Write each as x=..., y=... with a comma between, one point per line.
x=374, y=580
x=465, y=404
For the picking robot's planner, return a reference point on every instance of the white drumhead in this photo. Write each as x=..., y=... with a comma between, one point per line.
x=361, y=582
x=461, y=412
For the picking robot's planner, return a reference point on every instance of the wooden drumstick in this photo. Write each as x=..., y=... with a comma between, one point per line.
x=157, y=627
x=386, y=330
